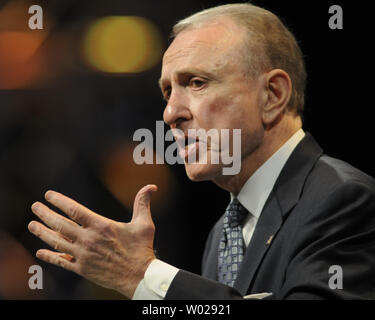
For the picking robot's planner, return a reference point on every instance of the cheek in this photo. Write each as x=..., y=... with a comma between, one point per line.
x=227, y=109
x=215, y=105
x=246, y=110
x=217, y=112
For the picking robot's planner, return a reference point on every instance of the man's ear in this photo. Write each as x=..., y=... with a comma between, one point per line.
x=279, y=89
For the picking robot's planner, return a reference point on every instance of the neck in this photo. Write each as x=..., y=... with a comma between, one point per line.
x=272, y=140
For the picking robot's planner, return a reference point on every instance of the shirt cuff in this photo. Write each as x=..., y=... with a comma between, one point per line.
x=157, y=279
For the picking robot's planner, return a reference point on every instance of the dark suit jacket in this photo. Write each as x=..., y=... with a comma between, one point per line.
x=320, y=213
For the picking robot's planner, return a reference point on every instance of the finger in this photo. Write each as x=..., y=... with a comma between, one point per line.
x=63, y=260
x=67, y=256
x=55, y=221
x=73, y=209
x=51, y=237
x=141, y=208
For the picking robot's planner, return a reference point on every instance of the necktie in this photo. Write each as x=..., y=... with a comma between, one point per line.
x=231, y=246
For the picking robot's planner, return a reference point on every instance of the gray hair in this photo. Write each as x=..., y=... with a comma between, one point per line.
x=268, y=45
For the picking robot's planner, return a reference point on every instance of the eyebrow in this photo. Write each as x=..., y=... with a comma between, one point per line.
x=187, y=72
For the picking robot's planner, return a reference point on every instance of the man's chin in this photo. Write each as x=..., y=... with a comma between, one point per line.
x=202, y=172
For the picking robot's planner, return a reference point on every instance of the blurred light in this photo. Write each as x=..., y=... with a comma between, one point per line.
x=122, y=44
x=14, y=266
x=21, y=59
x=18, y=47
x=124, y=178
x=20, y=63
x=14, y=15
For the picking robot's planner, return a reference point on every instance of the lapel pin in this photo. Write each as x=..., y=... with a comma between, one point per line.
x=269, y=240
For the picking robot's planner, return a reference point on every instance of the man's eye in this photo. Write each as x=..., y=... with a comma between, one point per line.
x=167, y=93
x=196, y=83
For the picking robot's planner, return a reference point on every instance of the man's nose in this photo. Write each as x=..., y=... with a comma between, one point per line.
x=177, y=110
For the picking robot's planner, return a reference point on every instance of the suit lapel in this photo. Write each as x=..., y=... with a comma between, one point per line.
x=209, y=267
x=268, y=225
x=283, y=198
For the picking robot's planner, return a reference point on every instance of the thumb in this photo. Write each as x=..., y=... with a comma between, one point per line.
x=141, y=207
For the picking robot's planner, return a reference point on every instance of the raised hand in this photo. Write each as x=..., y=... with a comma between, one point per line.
x=112, y=254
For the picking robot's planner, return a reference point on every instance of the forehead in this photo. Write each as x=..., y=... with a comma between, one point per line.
x=210, y=45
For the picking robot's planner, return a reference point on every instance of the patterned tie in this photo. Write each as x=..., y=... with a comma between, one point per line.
x=231, y=246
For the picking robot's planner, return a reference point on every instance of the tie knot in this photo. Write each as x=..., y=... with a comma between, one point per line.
x=235, y=214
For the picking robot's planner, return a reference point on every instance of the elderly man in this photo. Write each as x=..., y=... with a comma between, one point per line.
x=300, y=225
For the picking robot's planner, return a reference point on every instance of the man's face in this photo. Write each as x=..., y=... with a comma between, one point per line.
x=204, y=82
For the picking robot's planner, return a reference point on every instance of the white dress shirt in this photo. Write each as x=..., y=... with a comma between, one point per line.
x=253, y=195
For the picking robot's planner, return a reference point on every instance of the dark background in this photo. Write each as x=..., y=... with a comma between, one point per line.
x=72, y=131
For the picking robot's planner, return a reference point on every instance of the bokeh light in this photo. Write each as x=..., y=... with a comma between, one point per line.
x=15, y=261
x=20, y=61
x=124, y=178
x=122, y=44
x=21, y=57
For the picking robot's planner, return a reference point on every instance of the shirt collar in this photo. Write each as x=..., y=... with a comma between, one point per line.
x=258, y=187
